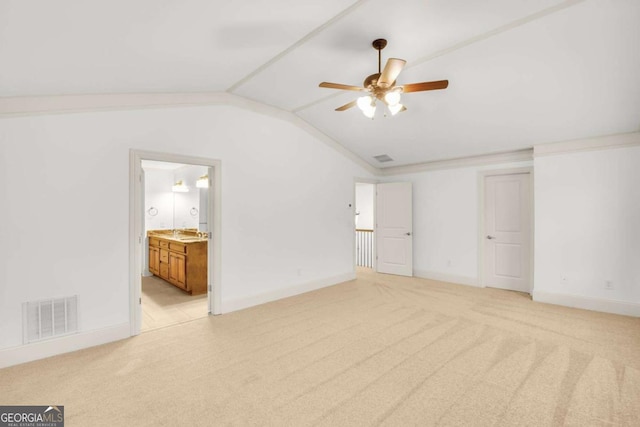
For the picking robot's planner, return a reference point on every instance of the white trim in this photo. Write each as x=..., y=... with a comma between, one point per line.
x=621, y=140
x=40, y=350
x=72, y=104
x=67, y=104
x=464, y=43
x=318, y=134
x=482, y=175
x=444, y=277
x=461, y=162
x=501, y=29
x=235, y=304
x=588, y=303
x=297, y=44
x=136, y=229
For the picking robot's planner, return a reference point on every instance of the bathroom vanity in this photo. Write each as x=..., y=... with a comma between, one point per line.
x=179, y=258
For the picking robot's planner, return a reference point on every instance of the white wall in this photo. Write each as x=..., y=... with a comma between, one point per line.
x=587, y=208
x=364, y=205
x=65, y=206
x=587, y=224
x=445, y=221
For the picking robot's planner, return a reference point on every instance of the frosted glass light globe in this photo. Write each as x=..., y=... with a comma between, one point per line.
x=364, y=102
x=392, y=98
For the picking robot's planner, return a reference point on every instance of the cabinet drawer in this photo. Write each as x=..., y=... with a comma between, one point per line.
x=178, y=247
x=164, y=255
x=154, y=242
x=164, y=244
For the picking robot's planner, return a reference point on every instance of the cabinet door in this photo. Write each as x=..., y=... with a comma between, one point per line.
x=154, y=260
x=163, y=263
x=178, y=269
x=164, y=270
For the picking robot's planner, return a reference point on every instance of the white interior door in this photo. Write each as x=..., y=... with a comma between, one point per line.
x=507, y=240
x=394, y=223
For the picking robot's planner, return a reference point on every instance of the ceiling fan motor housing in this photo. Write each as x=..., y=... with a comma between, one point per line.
x=379, y=44
x=371, y=80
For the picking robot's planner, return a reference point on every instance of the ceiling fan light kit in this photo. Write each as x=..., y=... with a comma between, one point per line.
x=382, y=86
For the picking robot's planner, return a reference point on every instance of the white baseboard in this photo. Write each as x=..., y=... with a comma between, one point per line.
x=443, y=277
x=40, y=350
x=588, y=303
x=235, y=304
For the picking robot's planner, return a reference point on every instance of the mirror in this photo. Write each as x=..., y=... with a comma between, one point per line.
x=183, y=207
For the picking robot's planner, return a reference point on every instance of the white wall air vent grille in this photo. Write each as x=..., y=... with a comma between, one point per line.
x=49, y=318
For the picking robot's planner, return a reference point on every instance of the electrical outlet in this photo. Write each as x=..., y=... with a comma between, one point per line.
x=449, y=263
x=564, y=279
x=608, y=284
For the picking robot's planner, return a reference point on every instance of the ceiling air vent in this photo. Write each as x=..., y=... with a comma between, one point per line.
x=382, y=158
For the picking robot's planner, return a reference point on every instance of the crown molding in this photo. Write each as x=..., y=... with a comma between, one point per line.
x=69, y=104
x=461, y=162
x=620, y=140
x=66, y=104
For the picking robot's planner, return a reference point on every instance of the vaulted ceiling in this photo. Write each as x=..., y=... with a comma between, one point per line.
x=521, y=72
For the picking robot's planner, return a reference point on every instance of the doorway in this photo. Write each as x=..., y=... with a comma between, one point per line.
x=383, y=227
x=364, y=226
x=174, y=268
x=506, y=226
x=174, y=239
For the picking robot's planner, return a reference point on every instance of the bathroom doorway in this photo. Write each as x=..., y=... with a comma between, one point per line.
x=176, y=227
x=174, y=269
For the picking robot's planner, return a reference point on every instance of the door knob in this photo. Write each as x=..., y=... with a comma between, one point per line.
x=408, y=233
x=490, y=237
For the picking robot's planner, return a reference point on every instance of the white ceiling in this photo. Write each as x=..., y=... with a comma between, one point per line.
x=521, y=72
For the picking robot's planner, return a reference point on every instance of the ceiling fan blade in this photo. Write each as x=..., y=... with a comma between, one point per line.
x=340, y=86
x=391, y=71
x=419, y=87
x=347, y=106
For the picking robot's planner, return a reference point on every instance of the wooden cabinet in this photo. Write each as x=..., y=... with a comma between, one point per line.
x=183, y=264
x=154, y=259
x=178, y=270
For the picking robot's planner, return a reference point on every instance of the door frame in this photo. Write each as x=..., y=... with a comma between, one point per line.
x=374, y=182
x=136, y=229
x=482, y=175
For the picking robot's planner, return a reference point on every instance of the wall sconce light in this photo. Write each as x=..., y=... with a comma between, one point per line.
x=179, y=187
x=203, y=182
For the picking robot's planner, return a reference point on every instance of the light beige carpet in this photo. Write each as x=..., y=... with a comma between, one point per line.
x=381, y=350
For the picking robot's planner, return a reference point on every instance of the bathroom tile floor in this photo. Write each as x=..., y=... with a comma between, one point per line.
x=164, y=305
